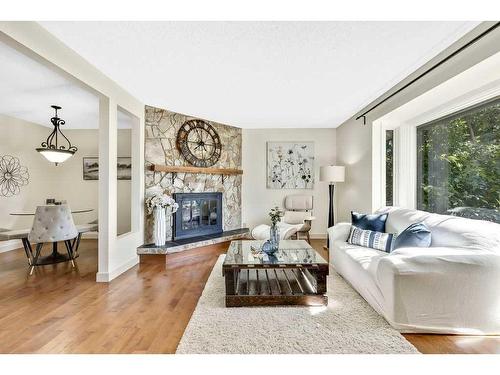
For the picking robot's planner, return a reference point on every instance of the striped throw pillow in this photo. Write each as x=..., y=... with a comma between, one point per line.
x=368, y=238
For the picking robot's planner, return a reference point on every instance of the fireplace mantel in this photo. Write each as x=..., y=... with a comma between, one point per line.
x=198, y=170
x=195, y=170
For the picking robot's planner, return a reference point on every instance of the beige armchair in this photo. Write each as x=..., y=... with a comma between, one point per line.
x=298, y=209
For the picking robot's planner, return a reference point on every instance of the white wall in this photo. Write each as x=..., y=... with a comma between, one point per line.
x=257, y=200
x=62, y=182
x=354, y=151
x=354, y=140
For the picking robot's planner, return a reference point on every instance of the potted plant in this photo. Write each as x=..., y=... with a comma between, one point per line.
x=157, y=203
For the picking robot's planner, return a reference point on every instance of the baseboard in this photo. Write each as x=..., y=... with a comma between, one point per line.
x=17, y=244
x=10, y=245
x=90, y=236
x=318, y=236
x=106, y=277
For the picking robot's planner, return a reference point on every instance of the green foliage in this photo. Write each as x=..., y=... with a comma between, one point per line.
x=275, y=214
x=459, y=161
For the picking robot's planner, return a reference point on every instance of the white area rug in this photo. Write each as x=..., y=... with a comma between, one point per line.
x=347, y=325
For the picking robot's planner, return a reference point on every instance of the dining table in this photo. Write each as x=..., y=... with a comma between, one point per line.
x=55, y=256
x=32, y=213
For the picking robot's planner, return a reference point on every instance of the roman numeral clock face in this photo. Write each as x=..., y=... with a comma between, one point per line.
x=200, y=144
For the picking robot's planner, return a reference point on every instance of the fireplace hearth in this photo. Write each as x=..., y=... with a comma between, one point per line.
x=199, y=214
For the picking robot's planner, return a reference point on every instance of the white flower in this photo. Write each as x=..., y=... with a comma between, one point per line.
x=154, y=190
x=156, y=199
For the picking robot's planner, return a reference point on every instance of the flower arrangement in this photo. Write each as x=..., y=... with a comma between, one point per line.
x=275, y=214
x=157, y=199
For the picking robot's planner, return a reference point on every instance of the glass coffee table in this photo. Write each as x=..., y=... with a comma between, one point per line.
x=294, y=275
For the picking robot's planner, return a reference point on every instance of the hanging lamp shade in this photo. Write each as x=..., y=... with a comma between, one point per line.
x=57, y=148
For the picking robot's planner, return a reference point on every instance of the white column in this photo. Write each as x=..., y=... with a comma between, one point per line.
x=378, y=165
x=406, y=167
x=137, y=192
x=107, y=186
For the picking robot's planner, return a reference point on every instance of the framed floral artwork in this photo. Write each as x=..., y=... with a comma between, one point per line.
x=290, y=165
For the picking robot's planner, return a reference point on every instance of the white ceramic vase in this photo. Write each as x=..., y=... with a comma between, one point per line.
x=160, y=226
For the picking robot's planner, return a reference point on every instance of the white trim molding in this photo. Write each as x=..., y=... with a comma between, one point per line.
x=10, y=245
x=475, y=85
x=106, y=277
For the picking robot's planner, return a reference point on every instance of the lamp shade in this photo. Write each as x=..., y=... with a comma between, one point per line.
x=332, y=173
x=55, y=156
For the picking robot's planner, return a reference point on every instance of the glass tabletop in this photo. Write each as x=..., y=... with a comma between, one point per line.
x=290, y=252
x=32, y=213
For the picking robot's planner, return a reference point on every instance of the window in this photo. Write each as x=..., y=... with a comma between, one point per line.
x=389, y=167
x=458, y=164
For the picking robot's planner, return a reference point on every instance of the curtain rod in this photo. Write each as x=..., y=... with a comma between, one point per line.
x=465, y=46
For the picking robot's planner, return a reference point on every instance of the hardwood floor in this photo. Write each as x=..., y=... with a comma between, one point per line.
x=145, y=310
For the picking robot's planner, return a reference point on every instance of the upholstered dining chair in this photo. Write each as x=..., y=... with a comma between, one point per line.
x=298, y=209
x=52, y=223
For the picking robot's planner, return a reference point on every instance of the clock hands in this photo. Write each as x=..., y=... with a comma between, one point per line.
x=201, y=142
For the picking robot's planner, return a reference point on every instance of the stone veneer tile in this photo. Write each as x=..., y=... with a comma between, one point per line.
x=160, y=148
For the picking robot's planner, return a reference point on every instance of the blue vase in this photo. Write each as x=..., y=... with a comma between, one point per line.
x=274, y=237
x=267, y=248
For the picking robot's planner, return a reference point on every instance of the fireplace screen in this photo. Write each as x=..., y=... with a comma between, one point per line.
x=199, y=214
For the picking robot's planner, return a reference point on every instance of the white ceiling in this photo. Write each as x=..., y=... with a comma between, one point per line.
x=247, y=74
x=28, y=89
x=259, y=74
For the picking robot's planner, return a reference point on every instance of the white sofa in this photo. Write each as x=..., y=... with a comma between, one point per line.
x=451, y=287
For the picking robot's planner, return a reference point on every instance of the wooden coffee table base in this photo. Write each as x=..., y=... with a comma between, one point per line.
x=273, y=286
x=241, y=301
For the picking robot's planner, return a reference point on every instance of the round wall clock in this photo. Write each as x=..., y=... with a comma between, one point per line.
x=200, y=144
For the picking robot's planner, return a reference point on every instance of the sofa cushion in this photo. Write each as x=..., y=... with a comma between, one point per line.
x=373, y=222
x=416, y=235
x=447, y=231
x=400, y=218
x=366, y=257
x=357, y=259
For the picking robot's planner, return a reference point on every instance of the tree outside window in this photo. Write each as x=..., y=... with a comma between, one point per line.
x=458, y=164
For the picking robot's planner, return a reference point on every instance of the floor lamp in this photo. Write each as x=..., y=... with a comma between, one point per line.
x=331, y=174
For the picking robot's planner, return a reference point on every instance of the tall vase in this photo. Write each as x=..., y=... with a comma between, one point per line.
x=274, y=237
x=160, y=226
x=169, y=214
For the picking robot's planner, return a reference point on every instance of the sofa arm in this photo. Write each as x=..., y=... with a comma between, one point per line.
x=441, y=287
x=338, y=232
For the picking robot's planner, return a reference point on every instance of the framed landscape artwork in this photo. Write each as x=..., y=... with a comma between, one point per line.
x=290, y=165
x=123, y=168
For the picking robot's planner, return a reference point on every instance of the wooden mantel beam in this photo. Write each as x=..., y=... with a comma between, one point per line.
x=186, y=169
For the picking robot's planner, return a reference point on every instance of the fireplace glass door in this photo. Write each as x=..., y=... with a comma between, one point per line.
x=199, y=214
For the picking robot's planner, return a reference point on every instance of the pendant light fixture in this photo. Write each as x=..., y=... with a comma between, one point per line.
x=52, y=149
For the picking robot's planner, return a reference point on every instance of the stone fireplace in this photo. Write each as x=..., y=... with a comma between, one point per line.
x=199, y=214
x=161, y=129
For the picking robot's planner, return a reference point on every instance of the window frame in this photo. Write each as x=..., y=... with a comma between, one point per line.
x=472, y=88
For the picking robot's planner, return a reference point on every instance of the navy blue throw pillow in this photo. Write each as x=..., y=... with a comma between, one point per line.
x=416, y=235
x=375, y=222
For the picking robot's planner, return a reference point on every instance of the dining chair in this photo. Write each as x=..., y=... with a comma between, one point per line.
x=52, y=224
